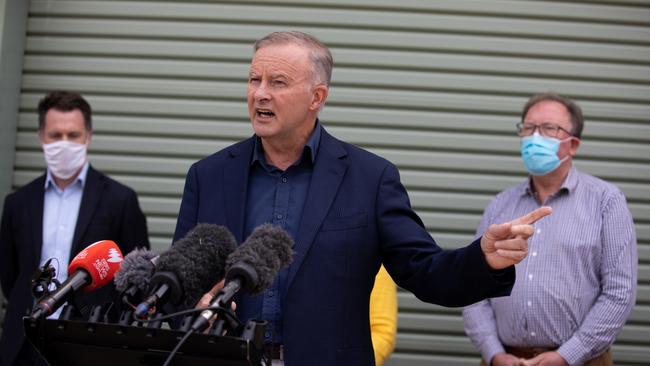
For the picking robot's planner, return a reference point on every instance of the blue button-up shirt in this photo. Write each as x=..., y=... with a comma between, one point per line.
x=576, y=288
x=277, y=197
x=60, y=212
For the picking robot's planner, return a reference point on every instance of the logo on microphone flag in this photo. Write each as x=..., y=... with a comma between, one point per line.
x=114, y=255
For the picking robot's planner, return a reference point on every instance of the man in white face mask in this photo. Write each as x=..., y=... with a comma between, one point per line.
x=58, y=214
x=577, y=287
x=65, y=138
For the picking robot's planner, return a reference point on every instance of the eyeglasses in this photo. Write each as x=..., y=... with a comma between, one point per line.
x=545, y=129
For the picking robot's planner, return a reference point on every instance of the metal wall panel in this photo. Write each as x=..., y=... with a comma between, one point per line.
x=434, y=86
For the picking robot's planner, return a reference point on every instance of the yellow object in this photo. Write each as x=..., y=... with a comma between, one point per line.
x=383, y=316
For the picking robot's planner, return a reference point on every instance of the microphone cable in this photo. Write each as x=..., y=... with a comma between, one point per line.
x=227, y=313
x=178, y=346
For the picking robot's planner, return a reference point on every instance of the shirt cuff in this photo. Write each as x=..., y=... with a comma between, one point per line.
x=490, y=348
x=574, y=352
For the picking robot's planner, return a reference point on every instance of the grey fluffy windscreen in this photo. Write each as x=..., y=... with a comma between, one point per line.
x=199, y=260
x=268, y=249
x=136, y=270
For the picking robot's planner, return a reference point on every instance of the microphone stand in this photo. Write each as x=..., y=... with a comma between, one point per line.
x=226, y=322
x=226, y=318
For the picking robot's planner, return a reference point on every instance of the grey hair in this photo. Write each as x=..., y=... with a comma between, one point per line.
x=320, y=56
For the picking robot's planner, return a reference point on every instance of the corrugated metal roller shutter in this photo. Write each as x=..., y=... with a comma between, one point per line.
x=434, y=86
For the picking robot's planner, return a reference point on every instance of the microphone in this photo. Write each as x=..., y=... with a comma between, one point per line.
x=92, y=268
x=189, y=268
x=132, y=280
x=251, y=268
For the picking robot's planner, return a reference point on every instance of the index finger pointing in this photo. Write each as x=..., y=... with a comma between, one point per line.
x=533, y=216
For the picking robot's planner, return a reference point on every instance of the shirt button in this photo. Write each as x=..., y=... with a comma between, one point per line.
x=530, y=303
x=269, y=293
x=267, y=334
x=532, y=334
x=539, y=231
x=534, y=254
x=284, y=179
x=530, y=276
x=278, y=216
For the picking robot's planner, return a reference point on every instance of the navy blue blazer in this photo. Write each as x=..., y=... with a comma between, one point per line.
x=357, y=215
x=108, y=210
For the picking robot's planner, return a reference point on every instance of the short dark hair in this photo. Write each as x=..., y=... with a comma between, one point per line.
x=577, y=121
x=64, y=101
x=320, y=56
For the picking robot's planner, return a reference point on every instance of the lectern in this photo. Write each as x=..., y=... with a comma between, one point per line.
x=80, y=343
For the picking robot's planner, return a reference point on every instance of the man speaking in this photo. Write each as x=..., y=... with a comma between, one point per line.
x=345, y=209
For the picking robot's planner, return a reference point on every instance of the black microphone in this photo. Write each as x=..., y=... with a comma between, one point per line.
x=132, y=280
x=251, y=268
x=189, y=268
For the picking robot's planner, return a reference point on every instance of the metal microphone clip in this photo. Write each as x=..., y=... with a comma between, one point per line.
x=43, y=279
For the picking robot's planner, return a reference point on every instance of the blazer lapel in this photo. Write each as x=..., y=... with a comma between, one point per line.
x=326, y=178
x=36, y=217
x=235, y=186
x=92, y=193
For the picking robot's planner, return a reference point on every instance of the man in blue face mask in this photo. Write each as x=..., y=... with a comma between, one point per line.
x=548, y=147
x=577, y=287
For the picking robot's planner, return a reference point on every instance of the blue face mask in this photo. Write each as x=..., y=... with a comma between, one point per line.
x=540, y=154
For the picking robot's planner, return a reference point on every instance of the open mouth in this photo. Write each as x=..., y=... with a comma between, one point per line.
x=264, y=113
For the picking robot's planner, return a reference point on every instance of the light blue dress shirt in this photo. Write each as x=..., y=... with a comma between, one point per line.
x=60, y=212
x=577, y=286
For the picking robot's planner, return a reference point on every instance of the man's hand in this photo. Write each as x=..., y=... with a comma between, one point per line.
x=507, y=244
x=206, y=299
x=505, y=359
x=551, y=358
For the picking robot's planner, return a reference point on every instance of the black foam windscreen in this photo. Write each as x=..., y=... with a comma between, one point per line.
x=267, y=250
x=136, y=270
x=198, y=260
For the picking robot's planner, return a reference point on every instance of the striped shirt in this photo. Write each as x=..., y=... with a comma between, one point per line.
x=577, y=286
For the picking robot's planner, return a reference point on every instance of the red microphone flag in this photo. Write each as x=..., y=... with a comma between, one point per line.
x=101, y=260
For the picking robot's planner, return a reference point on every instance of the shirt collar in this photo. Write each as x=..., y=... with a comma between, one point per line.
x=571, y=181
x=310, y=148
x=569, y=184
x=81, y=178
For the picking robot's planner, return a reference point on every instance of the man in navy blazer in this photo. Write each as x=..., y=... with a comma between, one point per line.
x=38, y=220
x=346, y=210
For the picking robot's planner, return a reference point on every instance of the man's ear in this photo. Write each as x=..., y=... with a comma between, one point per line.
x=575, y=144
x=41, y=136
x=89, y=138
x=319, y=95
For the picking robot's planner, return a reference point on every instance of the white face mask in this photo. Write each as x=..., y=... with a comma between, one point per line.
x=64, y=158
